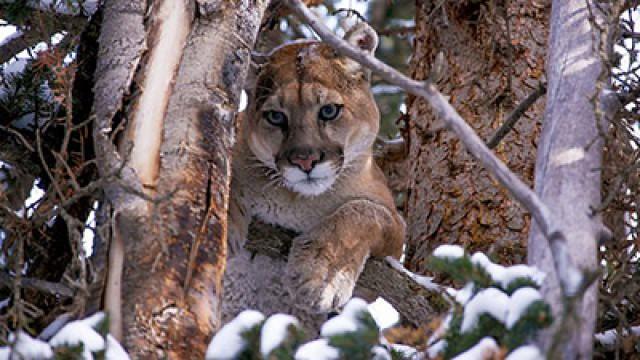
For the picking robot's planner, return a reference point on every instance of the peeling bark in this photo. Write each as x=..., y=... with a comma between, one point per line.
x=170, y=26
x=186, y=70
x=122, y=42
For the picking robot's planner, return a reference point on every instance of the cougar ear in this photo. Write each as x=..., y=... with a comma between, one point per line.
x=363, y=37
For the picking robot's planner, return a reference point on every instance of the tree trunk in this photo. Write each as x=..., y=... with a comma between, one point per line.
x=568, y=168
x=494, y=53
x=171, y=80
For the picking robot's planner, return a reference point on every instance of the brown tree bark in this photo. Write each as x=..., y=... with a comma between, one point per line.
x=171, y=81
x=494, y=53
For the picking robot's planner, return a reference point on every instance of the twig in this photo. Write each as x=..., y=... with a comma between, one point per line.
x=570, y=277
x=398, y=30
x=48, y=287
x=394, y=149
x=515, y=115
x=349, y=13
x=18, y=135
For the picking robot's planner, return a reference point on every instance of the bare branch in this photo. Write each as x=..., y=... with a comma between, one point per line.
x=397, y=31
x=16, y=43
x=53, y=288
x=570, y=276
x=515, y=115
x=394, y=149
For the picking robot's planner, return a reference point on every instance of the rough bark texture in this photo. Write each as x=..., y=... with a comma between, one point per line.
x=122, y=42
x=491, y=67
x=174, y=248
x=568, y=167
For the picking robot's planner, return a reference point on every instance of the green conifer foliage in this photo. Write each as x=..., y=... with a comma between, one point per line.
x=528, y=312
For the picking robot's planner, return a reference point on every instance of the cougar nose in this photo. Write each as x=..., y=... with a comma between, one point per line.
x=304, y=158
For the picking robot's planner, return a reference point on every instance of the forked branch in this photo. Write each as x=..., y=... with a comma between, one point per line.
x=569, y=275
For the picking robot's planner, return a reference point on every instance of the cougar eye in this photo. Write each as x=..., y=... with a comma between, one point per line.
x=275, y=118
x=329, y=112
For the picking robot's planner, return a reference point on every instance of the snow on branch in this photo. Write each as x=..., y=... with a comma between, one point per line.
x=492, y=313
x=80, y=339
x=492, y=318
x=570, y=276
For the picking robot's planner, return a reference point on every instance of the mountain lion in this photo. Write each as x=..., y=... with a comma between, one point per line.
x=303, y=161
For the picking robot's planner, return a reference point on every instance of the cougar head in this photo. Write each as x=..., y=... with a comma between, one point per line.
x=312, y=116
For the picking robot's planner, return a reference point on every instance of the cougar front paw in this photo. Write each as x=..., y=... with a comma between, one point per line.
x=320, y=292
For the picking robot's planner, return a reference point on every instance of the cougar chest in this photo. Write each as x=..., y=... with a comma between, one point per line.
x=298, y=214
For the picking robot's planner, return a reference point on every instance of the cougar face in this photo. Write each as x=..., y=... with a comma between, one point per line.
x=314, y=122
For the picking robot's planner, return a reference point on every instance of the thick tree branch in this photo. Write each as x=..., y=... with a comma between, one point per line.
x=18, y=42
x=417, y=302
x=571, y=278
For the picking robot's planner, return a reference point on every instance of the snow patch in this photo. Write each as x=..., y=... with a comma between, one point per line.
x=28, y=348
x=383, y=313
x=5, y=302
x=527, y=352
x=380, y=353
x=449, y=252
x=463, y=295
x=406, y=350
x=228, y=342
x=424, y=281
x=347, y=321
x=610, y=337
x=11, y=37
x=244, y=101
x=81, y=332
x=519, y=302
x=5, y=351
x=505, y=275
x=484, y=349
x=274, y=332
x=115, y=350
x=14, y=67
x=436, y=349
x=488, y=301
x=317, y=350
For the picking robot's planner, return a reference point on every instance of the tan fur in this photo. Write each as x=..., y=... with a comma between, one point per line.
x=341, y=227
